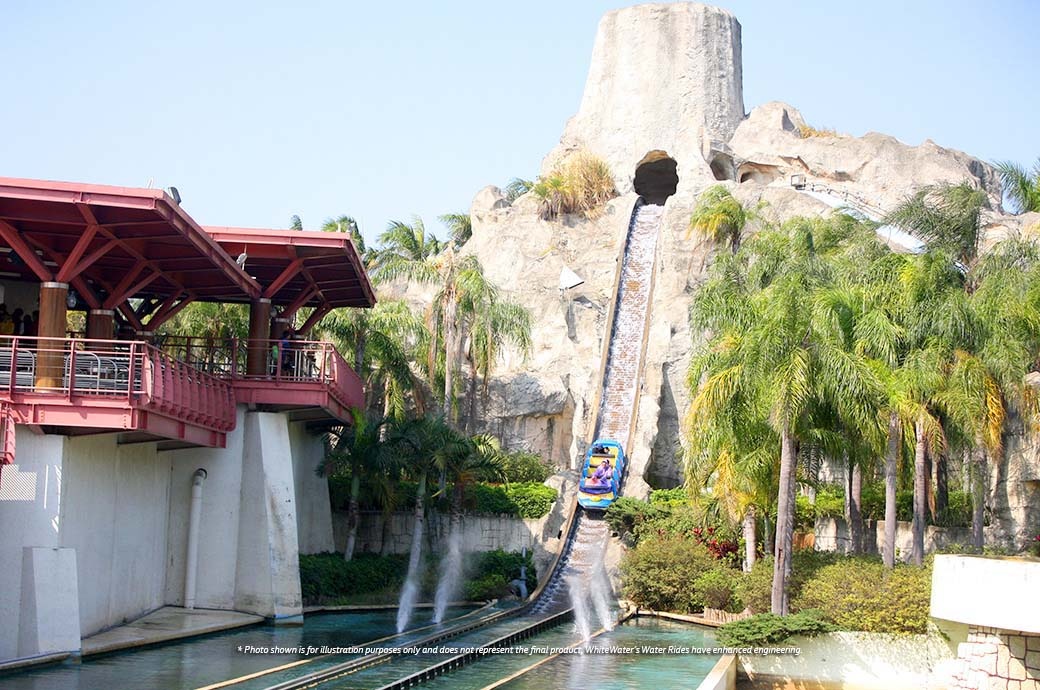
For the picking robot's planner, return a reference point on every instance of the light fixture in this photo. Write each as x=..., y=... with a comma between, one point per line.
x=71, y=300
x=241, y=260
x=176, y=195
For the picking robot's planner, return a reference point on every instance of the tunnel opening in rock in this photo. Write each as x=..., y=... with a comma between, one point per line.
x=759, y=172
x=722, y=167
x=656, y=177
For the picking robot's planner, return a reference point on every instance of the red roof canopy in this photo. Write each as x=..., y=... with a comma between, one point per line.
x=112, y=243
x=301, y=268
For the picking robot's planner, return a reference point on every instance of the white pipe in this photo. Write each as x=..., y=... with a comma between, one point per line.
x=194, y=519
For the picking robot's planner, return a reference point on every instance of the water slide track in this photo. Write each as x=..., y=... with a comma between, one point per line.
x=585, y=534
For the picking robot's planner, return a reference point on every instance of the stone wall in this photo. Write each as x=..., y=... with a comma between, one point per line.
x=480, y=533
x=993, y=659
x=832, y=534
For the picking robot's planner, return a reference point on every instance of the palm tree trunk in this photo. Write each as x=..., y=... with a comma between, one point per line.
x=750, y=545
x=784, y=523
x=891, y=468
x=384, y=533
x=855, y=511
x=978, y=500
x=353, y=511
x=451, y=310
x=942, y=484
x=920, y=491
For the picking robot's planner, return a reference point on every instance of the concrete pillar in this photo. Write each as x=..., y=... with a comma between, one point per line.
x=267, y=578
x=50, y=357
x=49, y=602
x=259, y=329
x=101, y=324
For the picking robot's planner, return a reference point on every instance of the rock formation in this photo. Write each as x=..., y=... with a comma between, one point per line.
x=668, y=78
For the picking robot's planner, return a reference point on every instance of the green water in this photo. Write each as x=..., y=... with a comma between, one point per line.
x=597, y=671
x=214, y=658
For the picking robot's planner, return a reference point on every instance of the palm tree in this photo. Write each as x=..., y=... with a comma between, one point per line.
x=361, y=452
x=786, y=352
x=1021, y=187
x=460, y=227
x=347, y=224
x=491, y=327
x=404, y=245
x=719, y=217
x=517, y=187
x=295, y=223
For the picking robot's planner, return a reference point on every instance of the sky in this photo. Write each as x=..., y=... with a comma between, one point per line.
x=260, y=110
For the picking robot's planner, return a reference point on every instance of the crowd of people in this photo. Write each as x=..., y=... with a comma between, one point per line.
x=18, y=322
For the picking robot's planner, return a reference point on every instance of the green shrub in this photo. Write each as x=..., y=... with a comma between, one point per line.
x=718, y=589
x=524, y=466
x=958, y=511
x=491, y=586
x=755, y=589
x=626, y=515
x=830, y=502
x=661, y=573
x=872, y=502
x=768, y=629
x=532, y=500
x=804, y=513
x=503, y=563
x=489, y=498
x=857, y=594
x=327, y=576
x=669, y=497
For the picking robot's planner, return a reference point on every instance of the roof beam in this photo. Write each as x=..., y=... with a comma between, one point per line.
x=68, y=271
x=286, y=275
x=127, y=288
x=168, y=310
x=304, y=297
x=10, y=234
x=315, y=317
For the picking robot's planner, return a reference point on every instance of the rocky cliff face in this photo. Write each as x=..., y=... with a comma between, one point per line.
x=667, y=77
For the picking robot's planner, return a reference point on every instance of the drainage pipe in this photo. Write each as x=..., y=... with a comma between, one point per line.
x=194, y=518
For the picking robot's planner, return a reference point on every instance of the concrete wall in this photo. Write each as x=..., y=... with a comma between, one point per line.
x=218, y=534
x=30, y=493
x=313, y=513
x=987, y=591
x=832, y=534
x=865, y=661
x=114, y=513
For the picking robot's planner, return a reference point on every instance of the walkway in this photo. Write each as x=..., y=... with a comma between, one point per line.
x=167, y=623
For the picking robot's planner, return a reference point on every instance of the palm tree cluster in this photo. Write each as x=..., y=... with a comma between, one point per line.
x=823, y=345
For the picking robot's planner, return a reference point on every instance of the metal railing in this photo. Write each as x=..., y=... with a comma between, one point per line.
x=280, y=361
x=82, y=369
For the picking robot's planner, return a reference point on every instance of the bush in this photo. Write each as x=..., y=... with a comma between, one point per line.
x=958, y=511
x=626, y=515
x=489, y=498
x=524, y=466
x=872, y=500
x=532, y=500
x=767, y=629
x=580, y=183
x=755, y=589
x=661, y=573
x=718, y=588
x=670, y=497
x=327, y=576
x=857, y=594
x=491, y=586
x=830, y=502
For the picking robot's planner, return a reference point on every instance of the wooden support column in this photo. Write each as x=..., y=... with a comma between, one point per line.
x=50, y=355
x=279, y=325
x=259, y=329
x=101, y=324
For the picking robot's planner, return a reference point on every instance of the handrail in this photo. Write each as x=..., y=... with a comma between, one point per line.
x=134, y=371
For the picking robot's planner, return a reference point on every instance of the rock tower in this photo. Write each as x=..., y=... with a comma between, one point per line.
x=664, y=77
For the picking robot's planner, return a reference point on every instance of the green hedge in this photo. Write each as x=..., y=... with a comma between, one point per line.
x=522, y=466
x=532, y=500
x=661, y=573
x=767, y=629
x=327, y=577
x=524, y=499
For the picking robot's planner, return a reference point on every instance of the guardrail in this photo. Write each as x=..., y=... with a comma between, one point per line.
x=81, y=369
x=283, y=361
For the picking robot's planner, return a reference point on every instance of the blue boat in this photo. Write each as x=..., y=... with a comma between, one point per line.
x=599, y=487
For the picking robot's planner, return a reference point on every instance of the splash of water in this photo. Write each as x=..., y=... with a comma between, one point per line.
x=601, y=594
x=582, y=620
x=451, y=574
x=410, y=593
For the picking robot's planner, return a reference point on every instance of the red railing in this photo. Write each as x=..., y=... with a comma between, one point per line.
x=145, y=377
x=278, y=361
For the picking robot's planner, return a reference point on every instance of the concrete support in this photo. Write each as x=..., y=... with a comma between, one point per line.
x=194, y=518
x=313, y=513
x=101, y=324
x=49, y=602
x=259, y=329
x=267, y=578
x=50, y=358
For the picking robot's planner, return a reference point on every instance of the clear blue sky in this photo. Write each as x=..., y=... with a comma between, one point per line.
x=258, y=110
